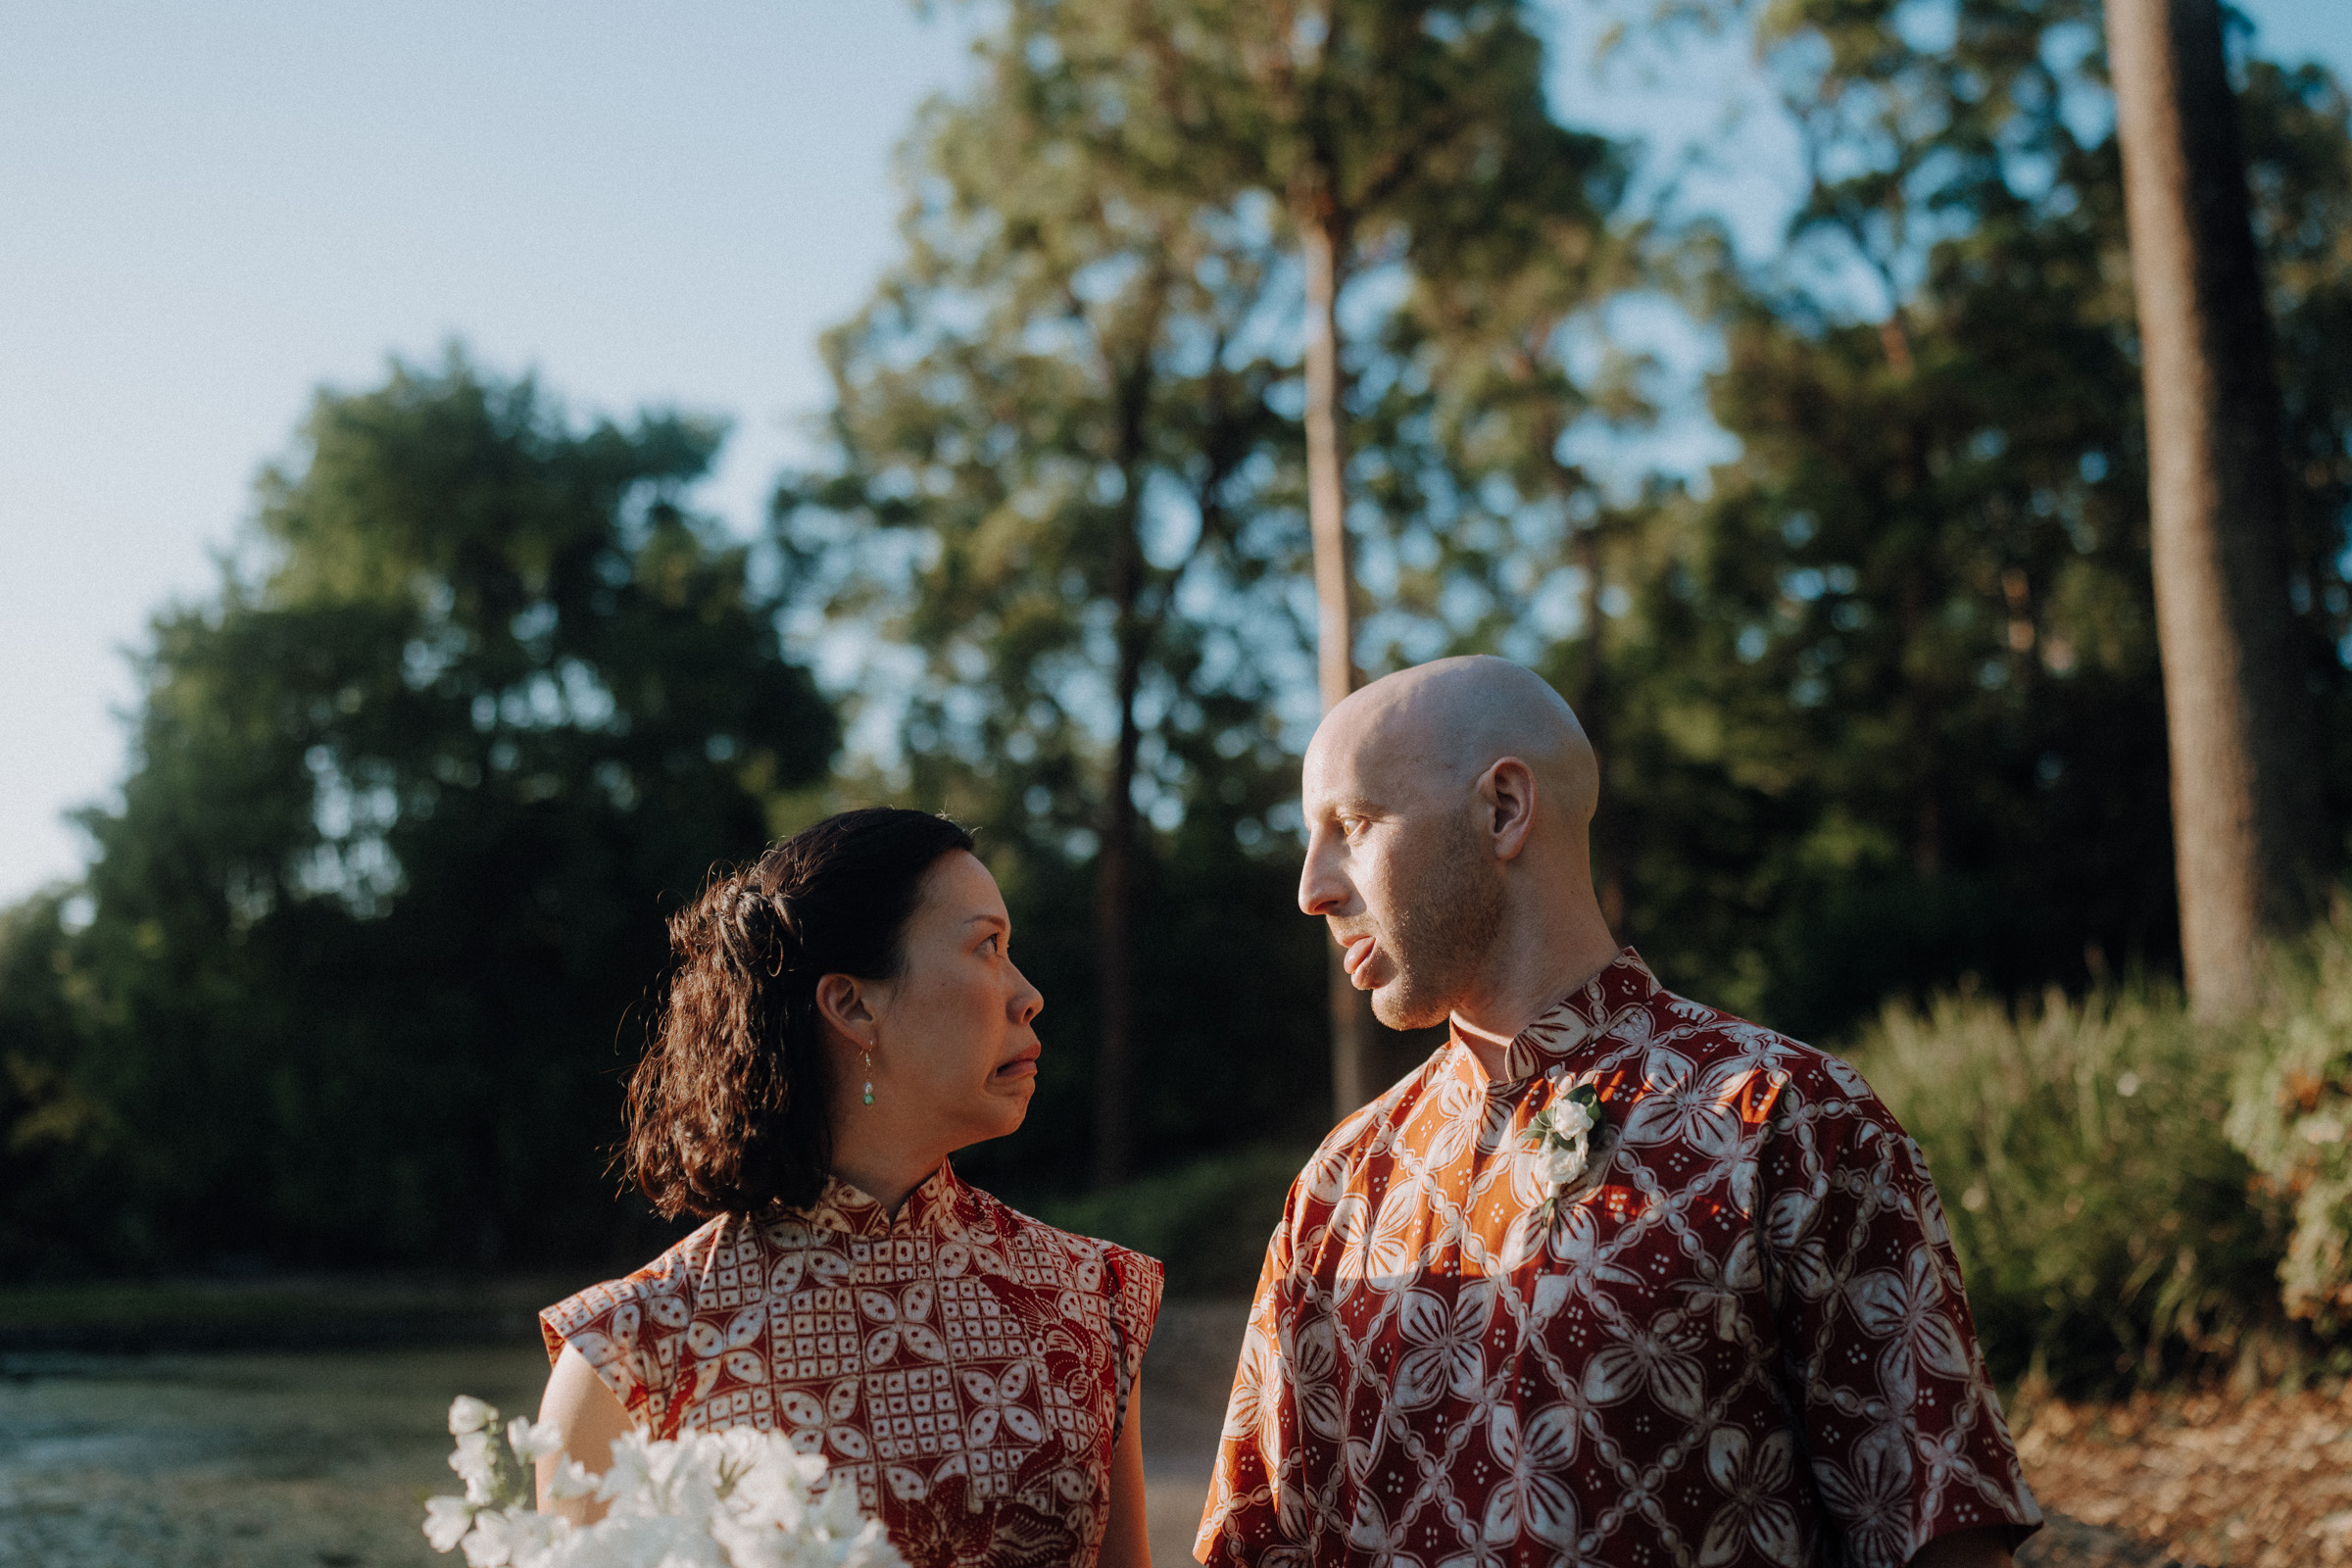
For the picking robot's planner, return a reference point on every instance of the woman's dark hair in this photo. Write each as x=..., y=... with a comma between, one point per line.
x=729, y=1111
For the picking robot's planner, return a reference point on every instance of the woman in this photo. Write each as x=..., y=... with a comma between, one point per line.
x=845, y=1014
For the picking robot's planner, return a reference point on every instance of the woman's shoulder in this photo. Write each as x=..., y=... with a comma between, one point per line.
x=1090, y=1262
x=642, y=1304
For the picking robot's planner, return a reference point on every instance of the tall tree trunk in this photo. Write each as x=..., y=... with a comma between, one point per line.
x=2246, y=830
x=1115, y=861
x=1114, y=896
x=1592, y=712
x=1323, y=241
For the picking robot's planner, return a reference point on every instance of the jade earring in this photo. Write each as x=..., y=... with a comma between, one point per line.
x=868, y=1055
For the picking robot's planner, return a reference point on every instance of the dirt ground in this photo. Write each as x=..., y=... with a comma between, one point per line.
x=2262, y=1480
x=322, y=1459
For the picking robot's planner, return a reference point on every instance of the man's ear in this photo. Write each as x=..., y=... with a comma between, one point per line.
x=842, y=1002
x=1507, y=793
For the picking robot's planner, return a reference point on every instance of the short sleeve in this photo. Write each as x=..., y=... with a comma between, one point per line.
x=1135, y=1283
x=628, y=1332
x=1902, y=1430
x=1243, y=1521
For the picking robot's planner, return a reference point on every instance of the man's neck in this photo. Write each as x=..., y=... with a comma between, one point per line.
x=1526, y=980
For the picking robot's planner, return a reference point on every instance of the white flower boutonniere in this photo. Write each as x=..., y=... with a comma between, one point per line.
x=1561, y=1141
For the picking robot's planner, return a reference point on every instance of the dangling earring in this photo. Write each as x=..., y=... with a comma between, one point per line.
x=868, y=1055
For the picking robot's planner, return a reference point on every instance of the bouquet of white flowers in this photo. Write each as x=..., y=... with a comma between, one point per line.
x=741, y=1500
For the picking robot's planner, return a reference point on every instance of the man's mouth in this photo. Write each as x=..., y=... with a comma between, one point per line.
x=1024, y=1066
x=1357, y=961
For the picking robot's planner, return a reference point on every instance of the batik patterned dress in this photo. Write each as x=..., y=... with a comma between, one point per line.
x=967, y=1367
x=1737, y=1338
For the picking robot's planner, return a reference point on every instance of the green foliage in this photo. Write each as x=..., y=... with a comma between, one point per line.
x=2102, y=1218
x=1058, y=482
x=2291, y=1114
x=410, y=795
x=1065, y=481
x=370, y=931
x=1883, y=709
x=1209, y=1221
x=52, y=1131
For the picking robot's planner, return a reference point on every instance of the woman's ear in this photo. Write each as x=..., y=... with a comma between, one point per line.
x=842, y=1002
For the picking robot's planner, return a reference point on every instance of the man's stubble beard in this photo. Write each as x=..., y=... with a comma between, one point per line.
x=1444, y=931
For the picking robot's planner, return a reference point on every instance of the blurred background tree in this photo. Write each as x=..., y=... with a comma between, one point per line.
x=1890, y=714
x=1877, y=695
x=1060, y=486
x=477, y=705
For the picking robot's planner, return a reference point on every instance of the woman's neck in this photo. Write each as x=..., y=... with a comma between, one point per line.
x=886, y=1180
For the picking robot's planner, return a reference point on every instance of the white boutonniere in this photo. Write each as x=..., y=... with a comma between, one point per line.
x=1561, y=1141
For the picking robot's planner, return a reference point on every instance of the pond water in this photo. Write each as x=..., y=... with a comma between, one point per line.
x=324, y=1459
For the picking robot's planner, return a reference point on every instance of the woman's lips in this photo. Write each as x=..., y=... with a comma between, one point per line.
x=1024, y=1066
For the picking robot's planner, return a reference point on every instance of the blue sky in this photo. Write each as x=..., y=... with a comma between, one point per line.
x=211, y=210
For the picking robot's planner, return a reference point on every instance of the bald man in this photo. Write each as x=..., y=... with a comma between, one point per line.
x=1612, y=1277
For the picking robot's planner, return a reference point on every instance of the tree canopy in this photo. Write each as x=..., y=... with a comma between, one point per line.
x=367, y=937
x=478, y=701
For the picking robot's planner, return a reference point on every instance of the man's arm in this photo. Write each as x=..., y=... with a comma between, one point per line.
x=1985, y=1547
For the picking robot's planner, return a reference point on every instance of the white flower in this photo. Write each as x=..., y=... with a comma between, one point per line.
x=571, y=1479
x=469, y=1414
x=446, y=1521
x=1561, y=1164
x=478, y=1466
x=741, y=1500
x=1560, y=1140
x=533, y=1440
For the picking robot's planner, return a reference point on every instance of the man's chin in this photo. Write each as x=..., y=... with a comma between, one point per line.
x=1402, y=1007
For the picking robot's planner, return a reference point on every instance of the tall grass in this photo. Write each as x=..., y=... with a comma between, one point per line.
x=2291, y=1113
x=2102, y=1216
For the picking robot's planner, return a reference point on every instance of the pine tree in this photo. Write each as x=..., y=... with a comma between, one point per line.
x=2246, y=825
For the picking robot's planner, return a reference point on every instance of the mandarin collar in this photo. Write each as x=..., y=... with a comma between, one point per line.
x=1566, y=1027
x=849, y=1209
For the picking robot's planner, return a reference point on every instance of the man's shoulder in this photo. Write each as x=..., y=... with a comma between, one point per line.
x=1367, y=1129
x=1718, y=1043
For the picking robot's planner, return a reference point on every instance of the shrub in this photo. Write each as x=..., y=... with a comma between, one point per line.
x=2291, y=1112
x=2101, y=1215
x=1207, y=1221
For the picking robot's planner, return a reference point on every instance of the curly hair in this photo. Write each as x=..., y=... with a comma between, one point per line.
x=729, y=1110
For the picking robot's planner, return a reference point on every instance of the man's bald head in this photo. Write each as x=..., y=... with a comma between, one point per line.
x=1446, y=811
x=1440, y=727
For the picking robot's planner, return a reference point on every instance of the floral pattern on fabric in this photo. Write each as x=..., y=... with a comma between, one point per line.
x=1737, y=1338
x=967, y=1367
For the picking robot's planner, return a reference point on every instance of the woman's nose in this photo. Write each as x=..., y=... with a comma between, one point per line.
x=1027, y=1000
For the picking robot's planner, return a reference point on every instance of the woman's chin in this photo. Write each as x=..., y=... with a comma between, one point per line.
x=1011, y=1102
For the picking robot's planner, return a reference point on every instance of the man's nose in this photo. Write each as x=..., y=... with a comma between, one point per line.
x=1322, y=890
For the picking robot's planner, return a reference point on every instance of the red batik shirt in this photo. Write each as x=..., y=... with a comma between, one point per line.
x=1739, y=1338
x=967, y=1366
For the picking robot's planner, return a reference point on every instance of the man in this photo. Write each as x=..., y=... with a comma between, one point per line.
x=1611, y=1278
